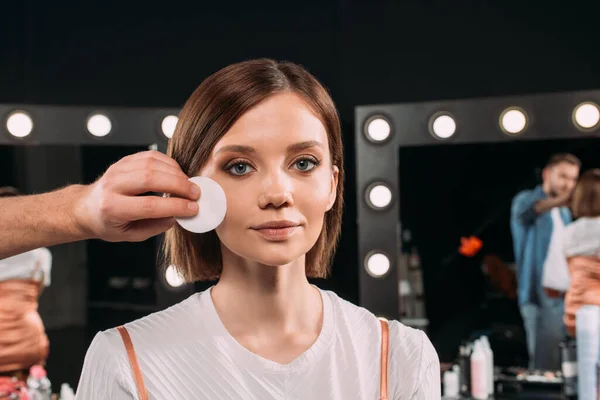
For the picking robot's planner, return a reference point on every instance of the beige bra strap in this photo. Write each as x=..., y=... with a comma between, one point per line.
x=385, y=339
x=133, y=362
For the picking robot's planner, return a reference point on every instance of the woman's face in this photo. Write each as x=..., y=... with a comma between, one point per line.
x=275, y=168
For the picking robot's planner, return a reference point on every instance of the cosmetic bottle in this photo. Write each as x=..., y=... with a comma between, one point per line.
x=464, y=367
x=490, y=364
x=479, y=376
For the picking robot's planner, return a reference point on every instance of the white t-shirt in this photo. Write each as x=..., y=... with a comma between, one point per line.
x=582, y=237
x=35, y=264
x=185, y=352
x=556, y=270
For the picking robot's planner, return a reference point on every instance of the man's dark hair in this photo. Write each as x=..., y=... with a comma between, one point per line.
x=563, y=158
x=9, y=191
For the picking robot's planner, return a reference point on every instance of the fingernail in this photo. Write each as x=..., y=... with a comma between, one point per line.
x=195, y=190
x=192, y=205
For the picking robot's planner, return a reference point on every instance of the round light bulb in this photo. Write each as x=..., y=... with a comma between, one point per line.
x=172, y=277
x=380, y=196
x=378, y=264
x=513, y=121
x=587, y=115
x=19, y=124
x=99, y=125
x=168, y=125
x=378, y=129
x=444, y=126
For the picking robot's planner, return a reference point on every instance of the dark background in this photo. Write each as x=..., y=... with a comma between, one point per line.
x=154, y=54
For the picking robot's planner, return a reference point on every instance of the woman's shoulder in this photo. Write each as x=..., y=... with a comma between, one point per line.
x=413, y=346
x=106, y=365
x=403, y=339
x=414, y=362
x=28, y=265
x=160, y=327
x=582, y=237
x=583, y=224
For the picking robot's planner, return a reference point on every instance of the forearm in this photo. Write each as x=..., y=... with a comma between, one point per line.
x=30, y=222
x=546, y=205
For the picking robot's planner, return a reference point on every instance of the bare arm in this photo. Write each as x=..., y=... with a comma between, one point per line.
x=527, y=205
x=548, y=204
x=109, y=209
x=30, y=222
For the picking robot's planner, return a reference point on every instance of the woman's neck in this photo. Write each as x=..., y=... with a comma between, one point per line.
x=254, y=299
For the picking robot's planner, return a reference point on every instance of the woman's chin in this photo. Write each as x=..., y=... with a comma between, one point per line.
x=275, y=257
x=273, y=254
x=274, y=261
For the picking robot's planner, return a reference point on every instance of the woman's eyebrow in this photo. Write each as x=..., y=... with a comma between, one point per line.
x=304, y=145
x=236, y=148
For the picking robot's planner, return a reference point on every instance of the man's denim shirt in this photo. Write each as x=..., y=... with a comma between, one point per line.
x=531, y=238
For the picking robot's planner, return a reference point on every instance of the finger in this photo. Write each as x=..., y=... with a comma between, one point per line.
x=144, y=181
x=129, y=209
x=142, y=155
x=147, y=228
x=148, y=163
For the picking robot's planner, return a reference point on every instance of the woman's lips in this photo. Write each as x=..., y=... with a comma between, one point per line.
x=277, y=234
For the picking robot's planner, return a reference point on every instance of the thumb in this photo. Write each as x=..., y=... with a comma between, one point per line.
x=147, y=228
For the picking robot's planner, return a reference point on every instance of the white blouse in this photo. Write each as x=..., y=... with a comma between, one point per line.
x=35, y=264
x=185, y=352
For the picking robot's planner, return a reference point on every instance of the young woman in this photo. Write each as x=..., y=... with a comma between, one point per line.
x=582, y=247
x=269, y=134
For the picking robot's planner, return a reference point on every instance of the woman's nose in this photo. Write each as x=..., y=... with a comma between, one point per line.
x=276, y=192
x=275, y=199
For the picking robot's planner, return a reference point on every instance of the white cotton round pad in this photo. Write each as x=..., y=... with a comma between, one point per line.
x=212, y=207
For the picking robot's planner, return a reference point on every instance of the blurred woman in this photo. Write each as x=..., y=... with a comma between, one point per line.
x=23, y=341
x=582, y=247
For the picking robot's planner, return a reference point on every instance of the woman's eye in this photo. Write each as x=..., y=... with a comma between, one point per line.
x=239, y=168
x=305, y=165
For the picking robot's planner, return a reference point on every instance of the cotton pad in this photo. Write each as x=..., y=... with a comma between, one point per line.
x=212, y=207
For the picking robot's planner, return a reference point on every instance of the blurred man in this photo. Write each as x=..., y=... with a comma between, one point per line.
x=537, y=219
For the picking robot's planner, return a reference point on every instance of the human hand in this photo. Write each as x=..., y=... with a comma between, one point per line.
x=563, y=199
x=112, y=210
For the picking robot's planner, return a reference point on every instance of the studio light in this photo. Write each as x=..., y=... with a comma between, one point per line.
x=377, y=264
x=379, y=196
x=442, y=126
x=377, y=129
x=172, y=277
x=513, y=121
x=586, y=116
x=168, y=125
x=99, y=125
x=19, y=124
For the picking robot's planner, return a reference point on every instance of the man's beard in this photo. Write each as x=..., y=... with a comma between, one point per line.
x=554, y=192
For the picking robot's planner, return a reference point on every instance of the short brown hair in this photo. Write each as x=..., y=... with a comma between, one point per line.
x=563, y=158
x=208, y=114
x=586, y=196
x=9, y=191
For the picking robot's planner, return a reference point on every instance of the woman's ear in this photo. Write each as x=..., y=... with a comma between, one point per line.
x=334, y=182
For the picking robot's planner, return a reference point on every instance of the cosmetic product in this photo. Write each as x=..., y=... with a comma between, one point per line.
x=479, y=377
x=212, y=207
